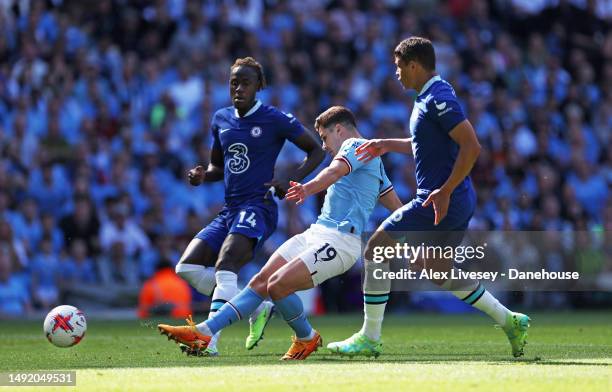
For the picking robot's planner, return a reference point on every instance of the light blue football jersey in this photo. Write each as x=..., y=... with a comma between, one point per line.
x=350, y=201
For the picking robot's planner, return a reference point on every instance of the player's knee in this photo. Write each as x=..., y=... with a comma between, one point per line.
x=259, y=283
x=277, y=288
x=199, y=277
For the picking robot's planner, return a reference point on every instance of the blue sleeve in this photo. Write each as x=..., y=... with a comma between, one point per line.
x=291, y=128
x=214, y=131
x=446, y=110
x=346, y=154
x=385, y=183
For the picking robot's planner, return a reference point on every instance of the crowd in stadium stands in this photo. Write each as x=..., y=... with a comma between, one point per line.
x=105, y=105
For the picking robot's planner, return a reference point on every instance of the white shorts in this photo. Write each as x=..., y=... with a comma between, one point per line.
x=326, y=252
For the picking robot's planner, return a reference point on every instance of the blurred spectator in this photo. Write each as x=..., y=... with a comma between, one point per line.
x=77, y=267
x=104, y=108
x=46, y=275
x=82, y=224
x=12, y=245
x=164, y=294
x=14, y=296
x=119, y=228
x=117, y=268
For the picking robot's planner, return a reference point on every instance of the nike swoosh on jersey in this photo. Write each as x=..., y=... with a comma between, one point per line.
x=223, y=130
x=243, y=227
x=440, y=106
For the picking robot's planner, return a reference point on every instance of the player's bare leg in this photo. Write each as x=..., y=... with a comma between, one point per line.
x=282, y=286
x=197, y=338
x=196, y=266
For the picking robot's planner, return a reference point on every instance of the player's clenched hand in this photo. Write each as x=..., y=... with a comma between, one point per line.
x=196, y=175
x=280, y=187
x=370, y=150
x=297, y=192
x=440, y=200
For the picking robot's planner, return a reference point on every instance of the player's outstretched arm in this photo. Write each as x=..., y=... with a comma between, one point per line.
x=299, y=192
x=469, y=149
x=376, y=147
x=213, y=173
x=391, y=201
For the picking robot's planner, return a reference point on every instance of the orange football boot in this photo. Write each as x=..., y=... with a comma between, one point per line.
x=301, y=349
x=185, y=334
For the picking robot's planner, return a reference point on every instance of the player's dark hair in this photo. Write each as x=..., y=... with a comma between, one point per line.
x=335, y=115
x=251, y=62
x=417, y=49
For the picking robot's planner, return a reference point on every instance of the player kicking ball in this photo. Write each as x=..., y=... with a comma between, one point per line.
x=328, y=248
x=247, y=139
x=445, y=148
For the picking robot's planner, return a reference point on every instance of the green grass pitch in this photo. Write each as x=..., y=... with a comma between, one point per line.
x=566, y=351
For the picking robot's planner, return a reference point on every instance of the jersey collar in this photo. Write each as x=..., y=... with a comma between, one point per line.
x=253, y=109
x=431, y=81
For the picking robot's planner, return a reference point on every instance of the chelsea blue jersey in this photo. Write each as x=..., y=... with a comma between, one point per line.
x=435, y=113
x=250, y=146
x=350, y=200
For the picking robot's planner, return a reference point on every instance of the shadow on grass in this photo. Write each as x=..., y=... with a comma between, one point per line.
x=332, y=360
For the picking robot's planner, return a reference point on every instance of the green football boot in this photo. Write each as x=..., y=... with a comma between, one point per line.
x=358, y=344
x=516, y=330
x=257, y=326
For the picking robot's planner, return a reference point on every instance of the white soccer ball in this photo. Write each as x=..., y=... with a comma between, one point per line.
x=65, y=326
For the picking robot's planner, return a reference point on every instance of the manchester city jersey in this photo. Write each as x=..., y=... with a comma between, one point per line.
x=435, y=113
x=350, y=200
x=250, y=146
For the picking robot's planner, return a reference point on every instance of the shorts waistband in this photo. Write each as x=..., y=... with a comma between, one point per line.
x=350, y=229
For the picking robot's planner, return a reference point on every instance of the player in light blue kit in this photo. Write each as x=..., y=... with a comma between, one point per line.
x=328, y=248
x=445, y=148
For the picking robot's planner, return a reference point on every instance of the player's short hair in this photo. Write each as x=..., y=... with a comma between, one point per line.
x=251, y=62
x=417, y=49
x=335, y=115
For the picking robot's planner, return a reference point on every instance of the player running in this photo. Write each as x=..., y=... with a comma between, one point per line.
x=328, y=248
x=247, y=138
x=445, y=148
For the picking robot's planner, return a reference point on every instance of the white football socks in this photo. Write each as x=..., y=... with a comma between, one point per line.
x=227, y=288
x=375, y=298
x=374, y=304
x=473, y=293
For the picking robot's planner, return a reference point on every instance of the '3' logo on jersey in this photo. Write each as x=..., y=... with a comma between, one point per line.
x=239, y=162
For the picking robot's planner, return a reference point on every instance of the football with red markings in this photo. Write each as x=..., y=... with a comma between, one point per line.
x=65, y=326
